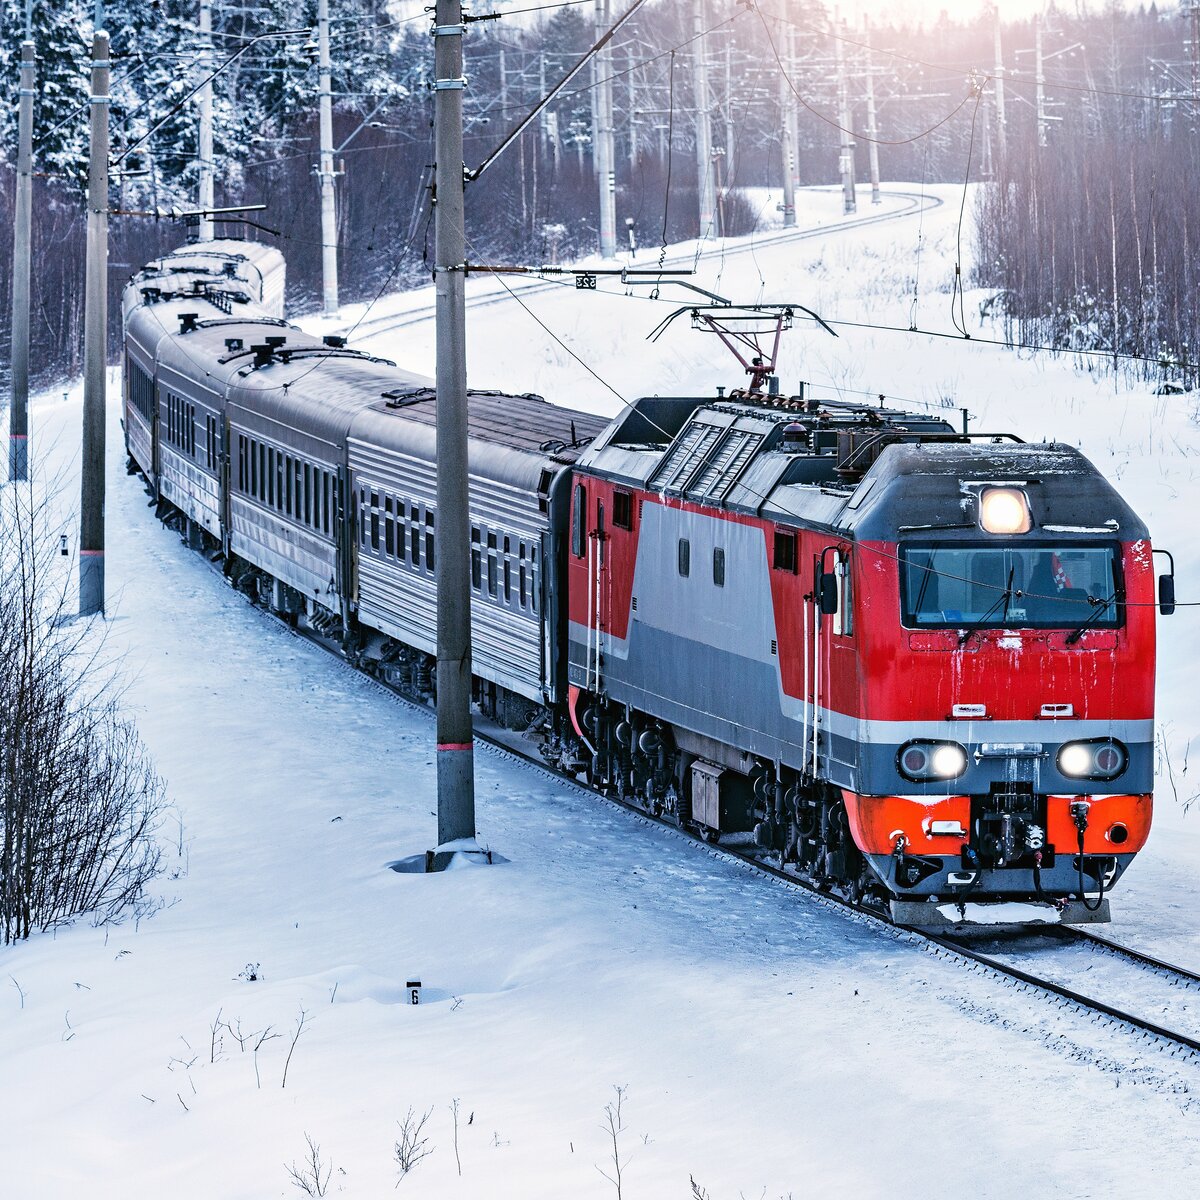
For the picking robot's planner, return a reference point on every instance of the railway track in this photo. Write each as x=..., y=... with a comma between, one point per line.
x=915, y=204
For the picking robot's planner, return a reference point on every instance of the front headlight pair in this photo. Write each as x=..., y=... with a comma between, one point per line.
x=923, y=761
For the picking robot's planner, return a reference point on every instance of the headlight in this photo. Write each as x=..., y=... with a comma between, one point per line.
x=1004, y=510
x=922, y=761
x=1099, y=758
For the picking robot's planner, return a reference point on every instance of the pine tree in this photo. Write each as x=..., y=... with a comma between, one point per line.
x=62, y=31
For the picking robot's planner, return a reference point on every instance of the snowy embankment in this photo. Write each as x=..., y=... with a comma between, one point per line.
x=767, y=1044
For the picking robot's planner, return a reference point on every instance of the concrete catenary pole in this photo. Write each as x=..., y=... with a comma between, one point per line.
x=704, y=155
x=1040, y=79
x=455, y=736
x=846, y=153
x=872, y=123
x=206, y=165
x=603, y=136
x=1001, y=122
x=787, y=103
x=329, y=265
x=18, y=423
x=95, y=335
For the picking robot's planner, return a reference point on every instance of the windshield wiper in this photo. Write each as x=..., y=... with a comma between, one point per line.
x=1004, y=598
x=1101, y=608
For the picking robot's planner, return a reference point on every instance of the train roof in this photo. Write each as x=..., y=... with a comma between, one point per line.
x=511, y=438
x=223, y=269
x=858, y=470
x=916, y=489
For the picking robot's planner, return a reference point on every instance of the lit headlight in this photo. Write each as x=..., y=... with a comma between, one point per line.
x=1004, y=510
x=1100, y=758
x=923, y=761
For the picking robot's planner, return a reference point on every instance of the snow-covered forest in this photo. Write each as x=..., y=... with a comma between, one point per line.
x=935, y=99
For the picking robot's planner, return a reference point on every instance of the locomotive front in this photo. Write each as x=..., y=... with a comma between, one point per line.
x=1006, y=607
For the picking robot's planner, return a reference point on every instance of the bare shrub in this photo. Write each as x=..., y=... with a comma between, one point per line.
x=80, y=802
x=614, y=1126
x=411, y=1147
x=312, y=1174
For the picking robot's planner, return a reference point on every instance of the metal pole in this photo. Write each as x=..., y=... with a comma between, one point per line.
x=1041, y=82
x=605, y=150
x=206, y=229
x=872, y=125
x=455, y=755
x=1001, y=124
x=329, y=267
x=95, y=334
x=18, y=423
x=846, y=155
x=704, y=163
x=787, y=104
x=727, y=112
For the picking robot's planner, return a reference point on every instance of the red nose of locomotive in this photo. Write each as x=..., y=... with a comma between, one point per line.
x=1005, y=733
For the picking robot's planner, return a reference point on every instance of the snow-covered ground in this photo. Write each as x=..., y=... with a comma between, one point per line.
x=768, y=1045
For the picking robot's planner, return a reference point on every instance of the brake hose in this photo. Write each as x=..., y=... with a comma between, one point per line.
x=1079, y=813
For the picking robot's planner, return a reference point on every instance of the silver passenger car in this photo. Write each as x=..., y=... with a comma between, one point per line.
x=520, y=452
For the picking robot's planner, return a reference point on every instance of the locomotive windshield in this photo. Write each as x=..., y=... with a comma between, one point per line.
x=1040, y=586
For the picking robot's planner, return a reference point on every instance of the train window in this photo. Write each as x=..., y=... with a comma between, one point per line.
x=307, y=494
x=684, y=558
x=622, y=510
x=415, y=543
x=317, y=480
x=430, y=550
x=241, y=463
x=476, y=560
x=191, y=429
x=287, y=484
x=374, y=529
x=297, y=490
x=389, y=528
x=579, y=521
x=279, y=472
x=785, y=551
x=270, y=488
x=522, y=580
x=260, y=480
x=719, y=567
x=326, y=499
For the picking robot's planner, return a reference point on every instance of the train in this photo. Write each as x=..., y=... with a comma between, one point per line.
x=910, y=664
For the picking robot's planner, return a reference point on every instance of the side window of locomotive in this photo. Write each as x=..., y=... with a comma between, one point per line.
x=476, y=560
x=784, y=558
x=622, y=514
x=685, y=557
x=579, y=521
x=719, y=567
x=843, y=619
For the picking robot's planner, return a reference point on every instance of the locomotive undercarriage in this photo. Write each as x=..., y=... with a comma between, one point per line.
x=771, y=810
